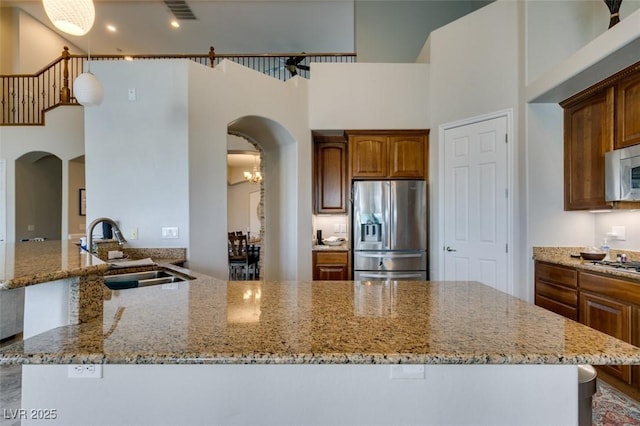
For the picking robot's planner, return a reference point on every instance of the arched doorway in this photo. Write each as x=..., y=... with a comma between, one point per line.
x=245, y=213
x=38, y=179
x=279, y=193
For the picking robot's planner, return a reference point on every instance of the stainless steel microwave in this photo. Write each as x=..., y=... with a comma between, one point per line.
x=622, y=174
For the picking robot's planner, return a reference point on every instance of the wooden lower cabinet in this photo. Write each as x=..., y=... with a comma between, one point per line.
x=603, y=302
x=556, y=289
x=331, y=265
x=611, y=317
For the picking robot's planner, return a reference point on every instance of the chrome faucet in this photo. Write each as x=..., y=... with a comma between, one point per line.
x=116, y=232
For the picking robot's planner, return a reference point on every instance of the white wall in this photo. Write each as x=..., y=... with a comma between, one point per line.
x=238, y=207
x=369, y=96
x=313, y=395
x=62, y=135
x=556, y=29
x=136, y=152
x=468, y=80
x=38, y=45
x=394, y=31
x=38, y=182
x=8, y=39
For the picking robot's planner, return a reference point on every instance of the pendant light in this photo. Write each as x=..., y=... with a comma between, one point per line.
x=73, y=17
x=87, y=89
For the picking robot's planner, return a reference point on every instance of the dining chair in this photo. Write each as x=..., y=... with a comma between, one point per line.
x=243, y=259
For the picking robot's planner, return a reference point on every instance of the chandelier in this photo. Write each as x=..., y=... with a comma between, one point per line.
x=73, y=17
x=253, y=176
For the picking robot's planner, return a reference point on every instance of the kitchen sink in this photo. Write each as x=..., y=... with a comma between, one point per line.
x=143, y=279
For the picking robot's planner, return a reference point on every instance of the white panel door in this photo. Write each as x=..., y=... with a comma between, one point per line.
x=475, y=203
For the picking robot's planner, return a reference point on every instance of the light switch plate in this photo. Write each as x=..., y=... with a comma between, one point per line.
x=619, y=233
x=169, y=232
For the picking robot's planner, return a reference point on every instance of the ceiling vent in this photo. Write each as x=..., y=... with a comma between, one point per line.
x=180, y=9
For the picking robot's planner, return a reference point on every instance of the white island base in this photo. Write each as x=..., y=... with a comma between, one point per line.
x=304, y=394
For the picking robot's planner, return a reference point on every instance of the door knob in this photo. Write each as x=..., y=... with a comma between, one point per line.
x=449, y=249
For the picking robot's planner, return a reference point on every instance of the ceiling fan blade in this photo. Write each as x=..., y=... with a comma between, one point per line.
x=303, y=67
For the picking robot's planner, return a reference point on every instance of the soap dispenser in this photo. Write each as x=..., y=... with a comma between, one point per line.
x=605, y=248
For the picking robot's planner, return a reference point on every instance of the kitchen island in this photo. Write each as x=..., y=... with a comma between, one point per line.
x=345, y=352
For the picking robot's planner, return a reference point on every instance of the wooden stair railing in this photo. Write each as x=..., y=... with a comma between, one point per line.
x=24, y=98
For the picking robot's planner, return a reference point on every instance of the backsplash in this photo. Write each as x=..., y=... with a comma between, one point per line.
x=331, y=226
x=628, y=220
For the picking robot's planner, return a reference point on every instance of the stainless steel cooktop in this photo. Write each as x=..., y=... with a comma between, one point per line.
x=625, y=266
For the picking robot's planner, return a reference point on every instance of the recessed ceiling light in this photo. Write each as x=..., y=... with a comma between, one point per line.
x=175, y=24
x=112, y=28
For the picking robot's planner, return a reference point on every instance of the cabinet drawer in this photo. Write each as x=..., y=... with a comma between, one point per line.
x=617, y=288
x=558, y=293
x=556, y=274
x=557, y=307
x=331, y=257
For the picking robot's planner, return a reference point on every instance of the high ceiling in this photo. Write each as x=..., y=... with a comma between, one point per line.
x=231, y=26
x=262, y=26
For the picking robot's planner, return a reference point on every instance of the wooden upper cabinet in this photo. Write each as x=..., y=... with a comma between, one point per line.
x=407, y=156
x=330, y=175
x=368, y=156
x=392, y=154
x=588, y=134
x=628, y=112
x=600, y=118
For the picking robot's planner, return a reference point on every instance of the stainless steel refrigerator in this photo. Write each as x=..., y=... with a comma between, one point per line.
x=390, y=230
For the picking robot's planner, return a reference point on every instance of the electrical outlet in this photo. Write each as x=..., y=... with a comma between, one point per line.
x=169, y=232
x=131, y=94
x=84, y=371
x=619, y=233
x=408, y=371
x=31, y=227
x=170, y=286
x=133, y=233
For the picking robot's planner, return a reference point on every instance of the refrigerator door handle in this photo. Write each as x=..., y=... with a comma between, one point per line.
x=394, y=276
x=390, y=255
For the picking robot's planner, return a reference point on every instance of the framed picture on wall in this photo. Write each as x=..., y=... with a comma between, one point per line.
x=82, y=202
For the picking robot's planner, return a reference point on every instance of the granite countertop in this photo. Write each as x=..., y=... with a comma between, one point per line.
x=30, y=262
x=324, y=247
x=565, y=256
x=208, y=321
x=35, y=262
